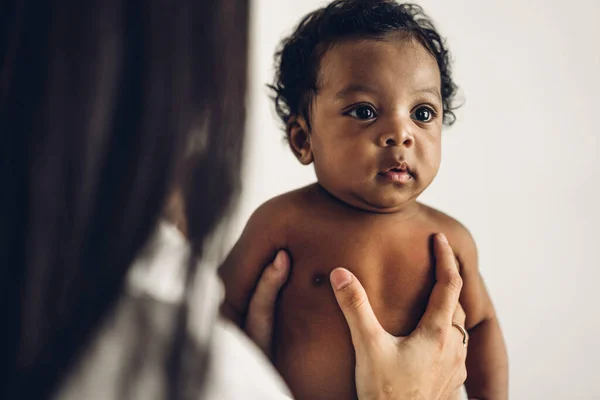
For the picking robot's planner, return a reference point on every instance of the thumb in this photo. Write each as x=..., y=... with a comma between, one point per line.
x=445, y=295
x=353, y=301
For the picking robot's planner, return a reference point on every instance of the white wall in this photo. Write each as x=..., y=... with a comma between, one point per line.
x=520, y=170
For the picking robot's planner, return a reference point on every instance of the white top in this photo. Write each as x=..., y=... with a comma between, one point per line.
x=138, y=332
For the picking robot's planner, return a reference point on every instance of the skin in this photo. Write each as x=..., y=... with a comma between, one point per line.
x=378, y=107
x=428, y=364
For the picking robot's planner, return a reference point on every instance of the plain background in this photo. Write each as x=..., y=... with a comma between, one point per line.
x=520, y=170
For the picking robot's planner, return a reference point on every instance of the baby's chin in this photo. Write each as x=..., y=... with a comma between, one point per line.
x=386, y=207
x=374, y=201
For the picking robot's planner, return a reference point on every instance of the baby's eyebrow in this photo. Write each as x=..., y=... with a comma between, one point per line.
x=431, y=90
x=354, y=88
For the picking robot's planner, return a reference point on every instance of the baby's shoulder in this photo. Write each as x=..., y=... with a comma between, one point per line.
x=282, y=210
x=458, y=235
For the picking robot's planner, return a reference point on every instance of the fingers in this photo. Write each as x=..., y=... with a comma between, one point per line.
x=353, y=301
x=261, y=310
x=444, y=296
x=459, y=315
x=455, y=344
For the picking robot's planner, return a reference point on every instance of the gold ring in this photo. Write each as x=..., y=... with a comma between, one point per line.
x=463, y=331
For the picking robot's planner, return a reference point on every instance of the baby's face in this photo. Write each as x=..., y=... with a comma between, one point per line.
x=376, y=123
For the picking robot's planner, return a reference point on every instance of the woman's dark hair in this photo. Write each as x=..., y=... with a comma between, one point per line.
x=100, y=103
x=298, y=58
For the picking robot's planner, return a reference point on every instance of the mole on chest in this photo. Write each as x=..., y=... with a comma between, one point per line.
x=319, y=279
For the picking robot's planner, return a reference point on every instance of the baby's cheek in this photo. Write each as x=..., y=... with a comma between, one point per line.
x=328, y=174
x=432, y=157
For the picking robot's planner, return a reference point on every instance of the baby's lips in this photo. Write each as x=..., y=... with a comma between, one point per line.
x=404, y=166
x=400, y=166
x=397, y=175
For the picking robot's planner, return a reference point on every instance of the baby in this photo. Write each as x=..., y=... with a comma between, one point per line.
x=363, y=88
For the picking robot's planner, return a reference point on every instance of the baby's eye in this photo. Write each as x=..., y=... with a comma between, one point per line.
x=363, y=112
x=423, y=114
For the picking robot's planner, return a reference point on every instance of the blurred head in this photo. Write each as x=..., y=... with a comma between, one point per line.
x=363, y=88
x=101, y=103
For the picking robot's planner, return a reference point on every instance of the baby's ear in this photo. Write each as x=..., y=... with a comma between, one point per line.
x=299, y=139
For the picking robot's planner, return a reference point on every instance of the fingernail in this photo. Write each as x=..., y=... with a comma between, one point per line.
x=278, y=263
x=443, y=238
x=340, y=278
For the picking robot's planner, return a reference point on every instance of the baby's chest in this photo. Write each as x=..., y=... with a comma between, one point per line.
x=395, y=266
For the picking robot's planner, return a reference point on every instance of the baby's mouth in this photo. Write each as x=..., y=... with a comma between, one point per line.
x=398, y=174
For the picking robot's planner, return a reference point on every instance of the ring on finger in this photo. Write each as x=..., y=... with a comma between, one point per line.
x=463, y=331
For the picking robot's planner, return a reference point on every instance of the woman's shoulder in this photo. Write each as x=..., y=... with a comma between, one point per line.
x=239, y=370
x=127, y=358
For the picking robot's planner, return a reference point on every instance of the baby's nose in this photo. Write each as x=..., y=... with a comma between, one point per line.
x=397, y=137
x=395, y=131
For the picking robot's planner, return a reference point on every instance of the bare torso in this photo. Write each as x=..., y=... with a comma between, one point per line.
x=391, y=256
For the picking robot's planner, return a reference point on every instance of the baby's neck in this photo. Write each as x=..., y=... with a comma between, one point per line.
x=403, y=211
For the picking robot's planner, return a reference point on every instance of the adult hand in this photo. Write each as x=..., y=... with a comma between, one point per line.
x=428, y=364
x=261, y=311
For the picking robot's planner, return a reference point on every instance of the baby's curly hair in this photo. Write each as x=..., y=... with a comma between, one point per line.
x=298, y=57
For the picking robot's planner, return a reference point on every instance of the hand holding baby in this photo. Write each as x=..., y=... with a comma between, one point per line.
x=430, y=363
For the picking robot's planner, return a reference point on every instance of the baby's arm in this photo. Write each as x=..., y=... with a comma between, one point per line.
x=487, y=362
x=262, y=237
